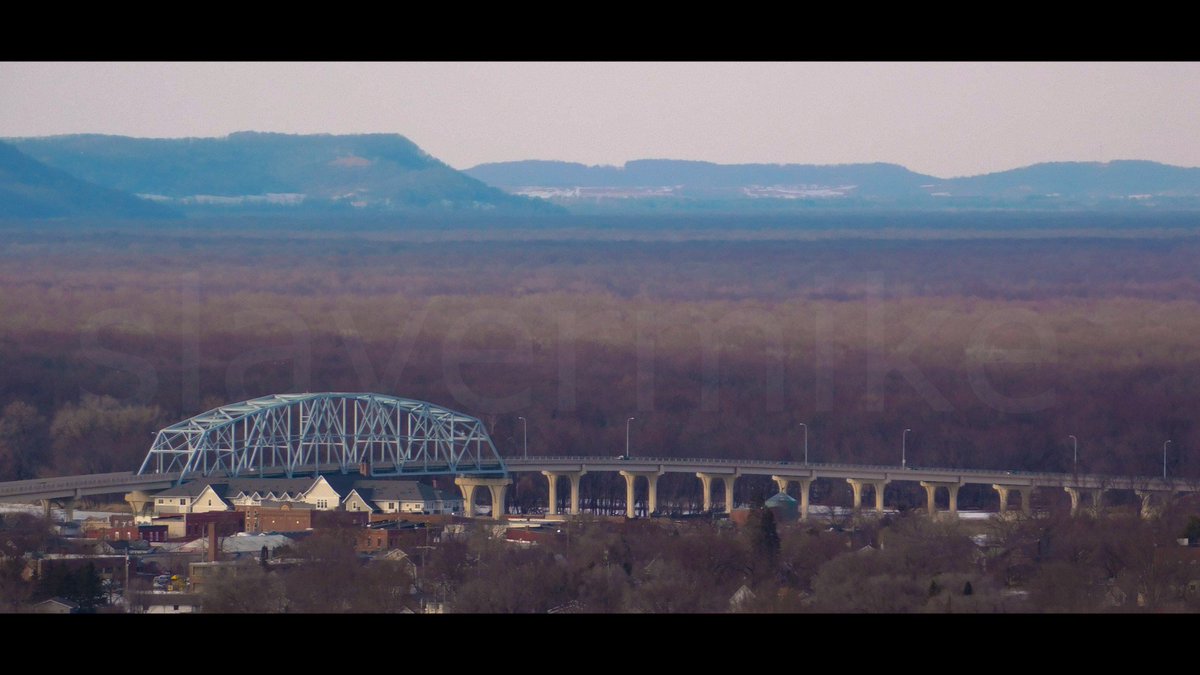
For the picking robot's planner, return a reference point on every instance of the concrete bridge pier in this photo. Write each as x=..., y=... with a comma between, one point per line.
x=931, y=488
x=552, y=507
x=706, y=480
x=805, y=484
x=631, y=492
x=857, y=485
x=706, y=488
x=497, y=486
x=553, y=477
x=68, y=509
x=66, y=505
x=1096, y=495
x=139, y=502
x=1149, y=510
x=1023, y=490
x=574, y=476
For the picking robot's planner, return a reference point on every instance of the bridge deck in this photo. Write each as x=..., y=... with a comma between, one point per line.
x=69, y=487
x=65, y=487
x=858, y=471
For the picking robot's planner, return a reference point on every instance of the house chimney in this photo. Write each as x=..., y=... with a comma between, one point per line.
x=212, y=542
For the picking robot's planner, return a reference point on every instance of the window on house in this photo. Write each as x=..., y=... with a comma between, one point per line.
x=322, y=503
x=183, y=502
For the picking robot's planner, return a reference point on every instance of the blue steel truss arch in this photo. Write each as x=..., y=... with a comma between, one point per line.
x=289, y=434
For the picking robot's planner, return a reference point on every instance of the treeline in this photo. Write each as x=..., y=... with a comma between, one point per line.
x=992, y=351
x=905, y=563
x=23, y=538
x=96, y=435
x=72, y=411
x=324, y=575
x=314, y=269
x=900, y=563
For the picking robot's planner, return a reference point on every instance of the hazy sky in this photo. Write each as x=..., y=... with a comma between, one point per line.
x=944, y=119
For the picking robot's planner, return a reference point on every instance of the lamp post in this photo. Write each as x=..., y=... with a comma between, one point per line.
x=525, y=434
x=1165, y=459
x=904, y=449
x=1075, y=446
x=627, y=437
x=805, y=442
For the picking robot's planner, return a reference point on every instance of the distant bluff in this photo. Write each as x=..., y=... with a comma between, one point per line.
x=361, y=172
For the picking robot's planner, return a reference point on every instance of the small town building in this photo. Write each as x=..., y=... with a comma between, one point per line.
x=56, y=606
x=387, y=496
x=241, y=545
x=178, y=499
x=165, y=602
x=176, y=525
x=151, y=533
x=322, y=493
x=227, y=523
x=278, y=516
x=106, y=566
x=784, y=507
x=200, y=574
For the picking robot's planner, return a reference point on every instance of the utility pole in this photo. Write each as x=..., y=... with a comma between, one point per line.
x=125, y=590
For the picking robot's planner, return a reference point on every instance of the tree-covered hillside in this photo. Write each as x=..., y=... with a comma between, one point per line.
x=30, y=189
x=368, y=171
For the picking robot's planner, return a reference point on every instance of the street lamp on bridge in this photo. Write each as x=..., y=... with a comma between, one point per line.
x=627, y=437
x=1075, y=446
x=1165, y=459
x=805, y=442
x=903, y=449
x=525, y=434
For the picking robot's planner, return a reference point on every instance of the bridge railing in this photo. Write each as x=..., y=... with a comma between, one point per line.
x=132, y=479
x=760, y=462
x=1098, y=478
x=71, y=482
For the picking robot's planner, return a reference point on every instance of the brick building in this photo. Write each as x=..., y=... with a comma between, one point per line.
x=278, y=516
x=228, y=523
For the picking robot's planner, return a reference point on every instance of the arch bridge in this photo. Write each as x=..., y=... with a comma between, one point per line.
x=287, y=434
x=381, y=436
